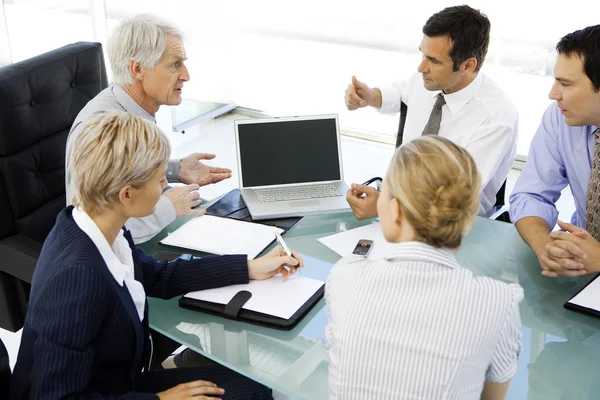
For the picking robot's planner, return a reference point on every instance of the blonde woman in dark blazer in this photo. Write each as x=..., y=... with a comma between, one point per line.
x=86, y=332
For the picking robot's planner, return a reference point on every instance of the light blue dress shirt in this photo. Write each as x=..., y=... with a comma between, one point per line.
x=559, y=155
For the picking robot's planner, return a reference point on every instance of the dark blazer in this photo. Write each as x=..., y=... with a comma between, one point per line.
x=82, y=336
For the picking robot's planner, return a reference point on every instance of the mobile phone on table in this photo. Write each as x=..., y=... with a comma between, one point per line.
x=170, y=256
x=363, y=247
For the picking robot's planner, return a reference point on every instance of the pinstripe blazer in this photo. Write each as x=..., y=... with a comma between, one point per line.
x=82, y=336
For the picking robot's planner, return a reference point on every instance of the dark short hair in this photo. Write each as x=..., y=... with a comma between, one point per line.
x=586, y=44
x=468, y=28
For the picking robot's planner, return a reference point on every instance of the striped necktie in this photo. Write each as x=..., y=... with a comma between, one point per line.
x=593, y=195
x=435, y=119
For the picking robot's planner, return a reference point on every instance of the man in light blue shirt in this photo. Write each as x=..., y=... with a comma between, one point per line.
x=564, y=152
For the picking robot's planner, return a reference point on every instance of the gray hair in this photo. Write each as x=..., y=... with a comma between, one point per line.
x=142, y=39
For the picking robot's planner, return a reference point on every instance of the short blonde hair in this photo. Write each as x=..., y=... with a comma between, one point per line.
x=113, y=150
x=142, y=39
x=437, y=185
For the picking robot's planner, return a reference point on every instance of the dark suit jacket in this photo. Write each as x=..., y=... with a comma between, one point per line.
x=82, y=336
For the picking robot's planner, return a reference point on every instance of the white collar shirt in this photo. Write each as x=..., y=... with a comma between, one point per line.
x=479, y=118
x=118, y=258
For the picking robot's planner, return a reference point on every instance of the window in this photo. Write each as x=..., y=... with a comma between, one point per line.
x=298, y=58
x=36, y=26
x=301, y=60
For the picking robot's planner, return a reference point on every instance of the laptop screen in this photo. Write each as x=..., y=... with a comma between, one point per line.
x=286, y=152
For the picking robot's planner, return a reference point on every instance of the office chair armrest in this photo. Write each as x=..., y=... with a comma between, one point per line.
x=19, y=255
x=495, y=212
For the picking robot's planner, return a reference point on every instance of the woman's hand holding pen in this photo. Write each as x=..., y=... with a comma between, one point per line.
x=273, y=263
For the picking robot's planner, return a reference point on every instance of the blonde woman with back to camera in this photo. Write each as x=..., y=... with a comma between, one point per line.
x=416, y=325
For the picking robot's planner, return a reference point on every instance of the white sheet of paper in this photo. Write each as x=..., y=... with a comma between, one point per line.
x=219, y=235
x=589, y=297
x=277, y=296
x=344, y=243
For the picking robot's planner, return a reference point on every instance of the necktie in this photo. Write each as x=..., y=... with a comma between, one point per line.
x=433, y=125
x=593, y=195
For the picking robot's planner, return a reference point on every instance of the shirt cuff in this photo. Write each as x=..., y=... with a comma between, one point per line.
x=390, y=100
x=505, y=376
x=238, y=273
x=533, y=208
x=173, y=171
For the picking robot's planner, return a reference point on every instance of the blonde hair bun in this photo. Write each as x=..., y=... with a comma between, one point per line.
x=437, y=185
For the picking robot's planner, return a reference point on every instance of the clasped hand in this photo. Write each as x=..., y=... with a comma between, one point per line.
x=571, y=252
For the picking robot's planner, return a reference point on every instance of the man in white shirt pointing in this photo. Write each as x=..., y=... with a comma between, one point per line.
x=449, y=97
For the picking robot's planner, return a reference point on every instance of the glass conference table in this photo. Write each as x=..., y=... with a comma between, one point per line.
x=561, y=349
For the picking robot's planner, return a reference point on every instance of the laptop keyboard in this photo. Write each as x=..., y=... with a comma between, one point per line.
x=297, y=193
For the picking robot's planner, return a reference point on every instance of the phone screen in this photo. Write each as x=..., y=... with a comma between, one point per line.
x=363, y=247
x=169, y=256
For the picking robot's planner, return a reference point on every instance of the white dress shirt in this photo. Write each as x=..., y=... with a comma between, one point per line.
x=118, y=258
x=418, y=326
x=115, y=98
x=479, y=118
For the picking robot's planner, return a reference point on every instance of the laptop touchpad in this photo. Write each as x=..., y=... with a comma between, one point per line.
x=305, y=203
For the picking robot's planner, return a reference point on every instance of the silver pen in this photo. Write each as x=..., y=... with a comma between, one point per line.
x=285, y=248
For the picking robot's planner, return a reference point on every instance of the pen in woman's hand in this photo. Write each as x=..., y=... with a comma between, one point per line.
x=285, y=248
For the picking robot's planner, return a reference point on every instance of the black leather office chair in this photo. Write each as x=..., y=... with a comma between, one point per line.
x=39, y=100
x=4, y=371
x=500, y=211
x=401, y=123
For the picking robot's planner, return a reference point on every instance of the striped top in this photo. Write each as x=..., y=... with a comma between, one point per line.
x=418, y=326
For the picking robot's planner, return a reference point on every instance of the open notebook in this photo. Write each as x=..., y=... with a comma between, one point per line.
x=587, y=301
x=280, y=297
x=217, y=235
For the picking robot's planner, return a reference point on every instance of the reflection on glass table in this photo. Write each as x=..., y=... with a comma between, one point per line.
x=295, y=362
x=297, y=357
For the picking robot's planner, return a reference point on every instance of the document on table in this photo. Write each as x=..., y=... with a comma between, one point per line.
x=344, y=243
x=588, y=297
x=278, y=296
x=219, y=235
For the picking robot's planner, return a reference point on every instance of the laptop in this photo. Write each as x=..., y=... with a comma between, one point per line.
x=290, y=166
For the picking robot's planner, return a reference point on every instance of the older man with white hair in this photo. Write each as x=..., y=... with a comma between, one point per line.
x=148, y=57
